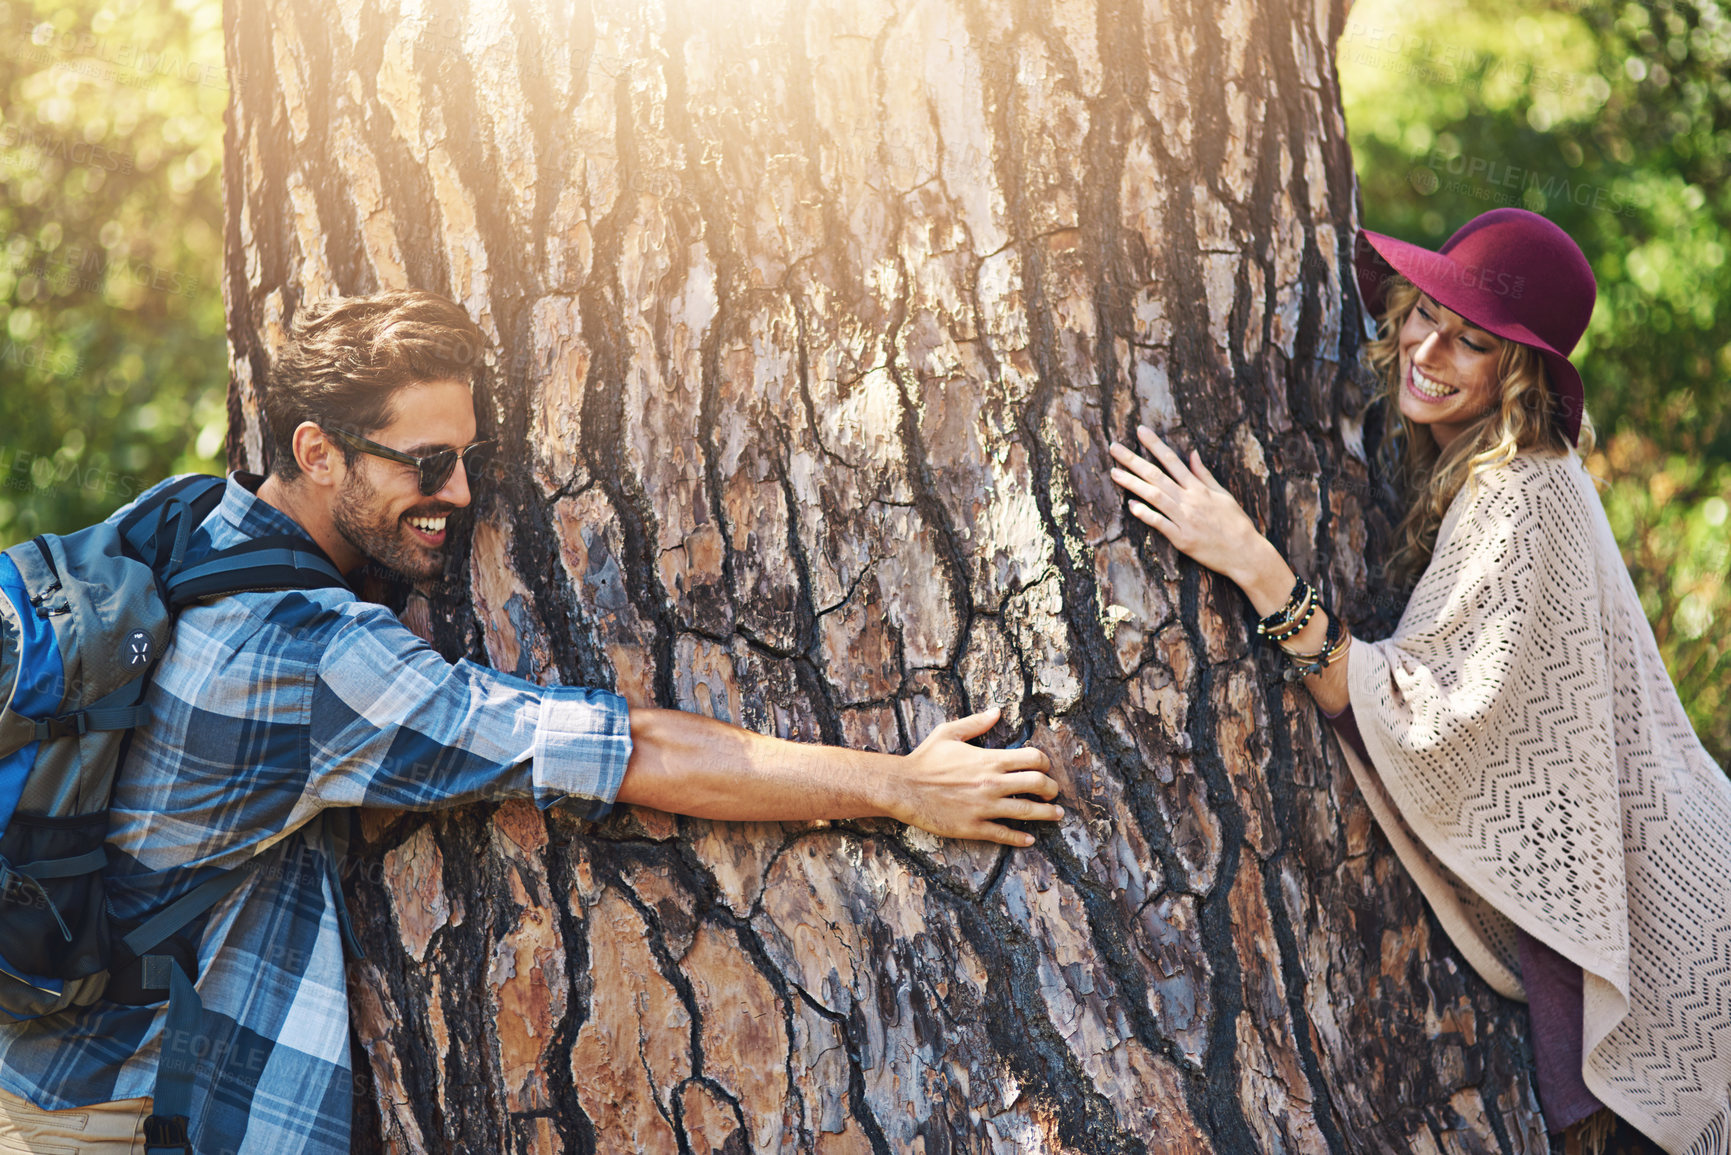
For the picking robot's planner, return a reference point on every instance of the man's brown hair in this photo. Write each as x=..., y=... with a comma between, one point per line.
x=348, y=357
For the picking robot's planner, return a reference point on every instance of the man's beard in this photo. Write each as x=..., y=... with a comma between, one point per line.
x=383, y=539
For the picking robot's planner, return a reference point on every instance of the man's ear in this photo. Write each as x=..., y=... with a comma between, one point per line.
x=320, y=458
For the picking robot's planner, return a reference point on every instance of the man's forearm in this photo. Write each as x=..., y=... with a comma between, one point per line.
x=689, y=764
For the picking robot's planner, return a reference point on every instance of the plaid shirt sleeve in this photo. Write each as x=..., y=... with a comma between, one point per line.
x=395, y=725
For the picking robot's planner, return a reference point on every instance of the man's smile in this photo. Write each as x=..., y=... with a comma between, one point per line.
x=430, y=530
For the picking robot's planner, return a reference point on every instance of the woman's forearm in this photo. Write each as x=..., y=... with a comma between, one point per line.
x=1267, y=581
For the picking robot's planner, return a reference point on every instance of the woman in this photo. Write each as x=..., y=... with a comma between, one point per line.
x=1518, y=737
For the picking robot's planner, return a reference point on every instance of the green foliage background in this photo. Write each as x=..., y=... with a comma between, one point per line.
x=1613, y=119
x=113, y=362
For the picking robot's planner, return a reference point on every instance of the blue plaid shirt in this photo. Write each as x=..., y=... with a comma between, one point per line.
x=266, y=711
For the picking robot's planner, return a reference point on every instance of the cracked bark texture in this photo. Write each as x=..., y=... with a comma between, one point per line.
x=812, y=321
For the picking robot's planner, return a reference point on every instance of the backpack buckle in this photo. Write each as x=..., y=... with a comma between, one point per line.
x=74, y=725
x=166, y=1133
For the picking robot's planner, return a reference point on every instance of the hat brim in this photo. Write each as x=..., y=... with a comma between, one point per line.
x=1478, y=299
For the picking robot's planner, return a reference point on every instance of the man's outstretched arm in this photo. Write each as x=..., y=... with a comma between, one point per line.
x=688, y=764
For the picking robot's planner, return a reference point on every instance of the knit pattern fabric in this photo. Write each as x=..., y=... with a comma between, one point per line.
x=1532, y=766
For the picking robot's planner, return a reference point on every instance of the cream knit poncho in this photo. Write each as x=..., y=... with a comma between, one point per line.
x=1533, y=766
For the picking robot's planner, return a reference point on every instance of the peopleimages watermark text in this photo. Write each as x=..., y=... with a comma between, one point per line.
x=19, y=470
x=39, y=146
x=1487, y=178
x=89, y=268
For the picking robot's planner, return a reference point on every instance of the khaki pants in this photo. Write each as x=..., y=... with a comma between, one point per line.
x=102, y=1129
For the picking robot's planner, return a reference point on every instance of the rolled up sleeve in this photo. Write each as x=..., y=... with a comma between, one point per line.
x=582, y=743
x=395, y=725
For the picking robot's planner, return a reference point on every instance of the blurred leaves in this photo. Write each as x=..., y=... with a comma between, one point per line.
x=1672, y=517
x=1614, y=120
x=113, y=362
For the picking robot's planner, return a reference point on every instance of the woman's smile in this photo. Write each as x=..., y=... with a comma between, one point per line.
x=1425, y=387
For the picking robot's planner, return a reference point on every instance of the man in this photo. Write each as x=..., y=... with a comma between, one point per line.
x=270, y=709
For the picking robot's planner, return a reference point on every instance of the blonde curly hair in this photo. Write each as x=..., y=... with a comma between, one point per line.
x=1431, y=477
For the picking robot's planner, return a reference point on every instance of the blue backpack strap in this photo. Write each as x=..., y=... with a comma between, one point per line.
x=264, y=563
x=166, y=1129
x=184, y=909
x=150, y=526
x=121, y=710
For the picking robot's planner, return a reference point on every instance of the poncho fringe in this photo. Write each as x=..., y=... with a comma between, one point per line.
x=1532, y=765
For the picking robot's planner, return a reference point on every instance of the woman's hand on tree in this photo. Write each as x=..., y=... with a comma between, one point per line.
x=1188, y=506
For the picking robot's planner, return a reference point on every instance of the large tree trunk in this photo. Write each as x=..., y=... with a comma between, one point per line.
x=813, y=320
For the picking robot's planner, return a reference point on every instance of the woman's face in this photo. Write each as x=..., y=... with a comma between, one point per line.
x=1448, y=370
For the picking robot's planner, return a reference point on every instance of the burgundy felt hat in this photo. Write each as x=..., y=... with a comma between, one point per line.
x=1510, y=272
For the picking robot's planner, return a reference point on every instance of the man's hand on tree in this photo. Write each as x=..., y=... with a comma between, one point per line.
x=959, y=790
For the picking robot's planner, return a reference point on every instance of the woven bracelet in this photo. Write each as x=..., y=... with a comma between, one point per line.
x=1304, y=665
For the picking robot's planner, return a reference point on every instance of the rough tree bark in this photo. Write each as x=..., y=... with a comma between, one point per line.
x=813, y=319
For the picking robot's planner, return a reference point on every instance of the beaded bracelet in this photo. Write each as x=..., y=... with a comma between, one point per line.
x=1293, y=601
x=1276, y=625
x=1311, y=606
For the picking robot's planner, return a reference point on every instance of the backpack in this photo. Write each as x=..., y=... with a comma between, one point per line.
x=83, y=619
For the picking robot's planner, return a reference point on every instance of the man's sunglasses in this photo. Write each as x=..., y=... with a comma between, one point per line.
x=435, y=469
